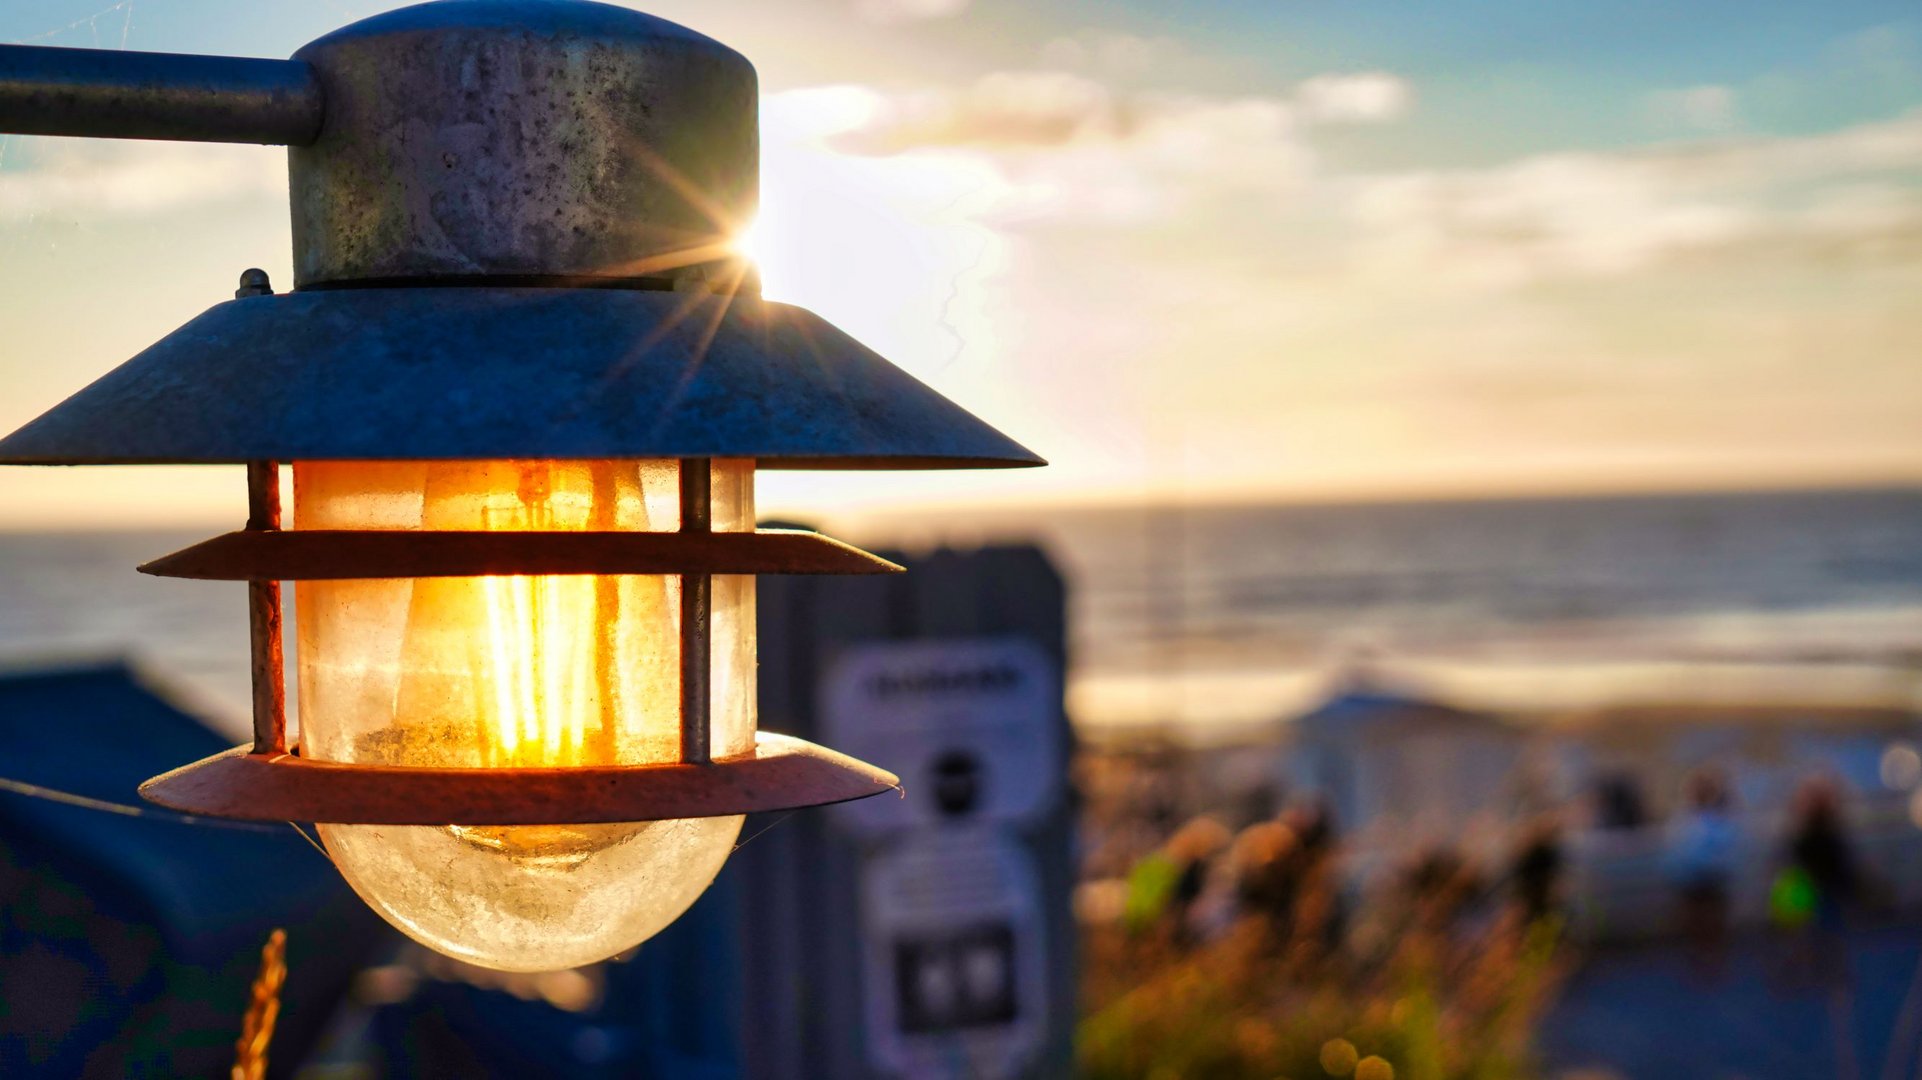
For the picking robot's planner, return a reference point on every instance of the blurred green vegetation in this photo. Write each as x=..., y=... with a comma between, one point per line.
x=1417, y=985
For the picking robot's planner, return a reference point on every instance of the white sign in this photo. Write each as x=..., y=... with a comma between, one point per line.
x=955, y=978
x=970, y=725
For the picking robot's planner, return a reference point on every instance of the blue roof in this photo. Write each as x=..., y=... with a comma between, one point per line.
x=1368, y=703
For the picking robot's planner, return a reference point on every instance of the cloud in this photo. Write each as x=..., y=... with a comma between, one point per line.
x=1054, y=150
x=1699, y=108
x=1111, y=53
x=1033, y=110
x=1612, y=214
x=1889, y=55
x=1876, y=146
x=896, y=11
x=1875, y=223
x=1073, y=149
x=85, y=177
x=1003, y=109
x=1367, y=97
x=1069, y=149
x=1239, y=180
x=1561, y=214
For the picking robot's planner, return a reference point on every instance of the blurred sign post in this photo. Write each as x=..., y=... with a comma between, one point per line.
x=929, y=934
x=951, y=921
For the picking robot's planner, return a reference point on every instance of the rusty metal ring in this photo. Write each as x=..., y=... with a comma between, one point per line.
x=782, y=773
x=334, y=555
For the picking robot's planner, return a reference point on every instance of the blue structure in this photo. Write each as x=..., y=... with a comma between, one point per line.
x=127, y=943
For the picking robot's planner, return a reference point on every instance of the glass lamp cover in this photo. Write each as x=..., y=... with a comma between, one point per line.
x=524, y=671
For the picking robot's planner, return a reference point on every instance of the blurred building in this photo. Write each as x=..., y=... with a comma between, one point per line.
x=1393, y=765
x=128, y=939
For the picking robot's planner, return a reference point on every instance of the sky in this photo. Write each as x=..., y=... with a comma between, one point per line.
x=1288, y=249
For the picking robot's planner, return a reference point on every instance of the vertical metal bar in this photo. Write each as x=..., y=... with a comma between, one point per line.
x=263, y=617
x=697, y=600
x=607, y=611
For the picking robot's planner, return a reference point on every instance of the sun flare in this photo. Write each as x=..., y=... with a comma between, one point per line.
x=748, y=242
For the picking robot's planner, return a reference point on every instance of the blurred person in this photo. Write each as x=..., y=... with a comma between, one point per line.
x=1274, y=859
x=1820, y=882
x=1219, y=908
x=1701, y=863
x=1164, y=884
x=1313, y=825
x=1268, y=865
x=1618, y=802
x=1440, y=886
x=1819, y=845
x=1255, y=803
x=1535, y=870
x=1316, y=909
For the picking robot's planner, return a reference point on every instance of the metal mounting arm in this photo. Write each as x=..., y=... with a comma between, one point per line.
x=141, y=95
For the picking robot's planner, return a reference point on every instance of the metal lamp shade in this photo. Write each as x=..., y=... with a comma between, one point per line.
x=483, y=372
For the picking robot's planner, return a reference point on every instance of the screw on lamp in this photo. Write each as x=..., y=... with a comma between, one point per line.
x=253, y=283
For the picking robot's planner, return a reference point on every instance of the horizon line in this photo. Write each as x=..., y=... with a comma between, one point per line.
x=1028, y=504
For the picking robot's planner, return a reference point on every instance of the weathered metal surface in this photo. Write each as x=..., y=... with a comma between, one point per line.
x=697, y=604
x=457, y=138
x=441, y=373
x=523, y=137
x=140, y=95
x=783, y=773
x=697, y=496
x=342, y=555
x=264, y=617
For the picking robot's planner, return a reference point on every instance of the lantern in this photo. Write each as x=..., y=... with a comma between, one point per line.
x=524, y=385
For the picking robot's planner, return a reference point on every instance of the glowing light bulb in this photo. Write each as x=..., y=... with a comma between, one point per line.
x=517, y=672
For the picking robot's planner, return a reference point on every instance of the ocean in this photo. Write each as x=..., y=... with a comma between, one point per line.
x=1222, y=619
x=1229, y=616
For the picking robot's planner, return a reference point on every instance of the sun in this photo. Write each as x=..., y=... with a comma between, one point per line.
x=748, y=242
